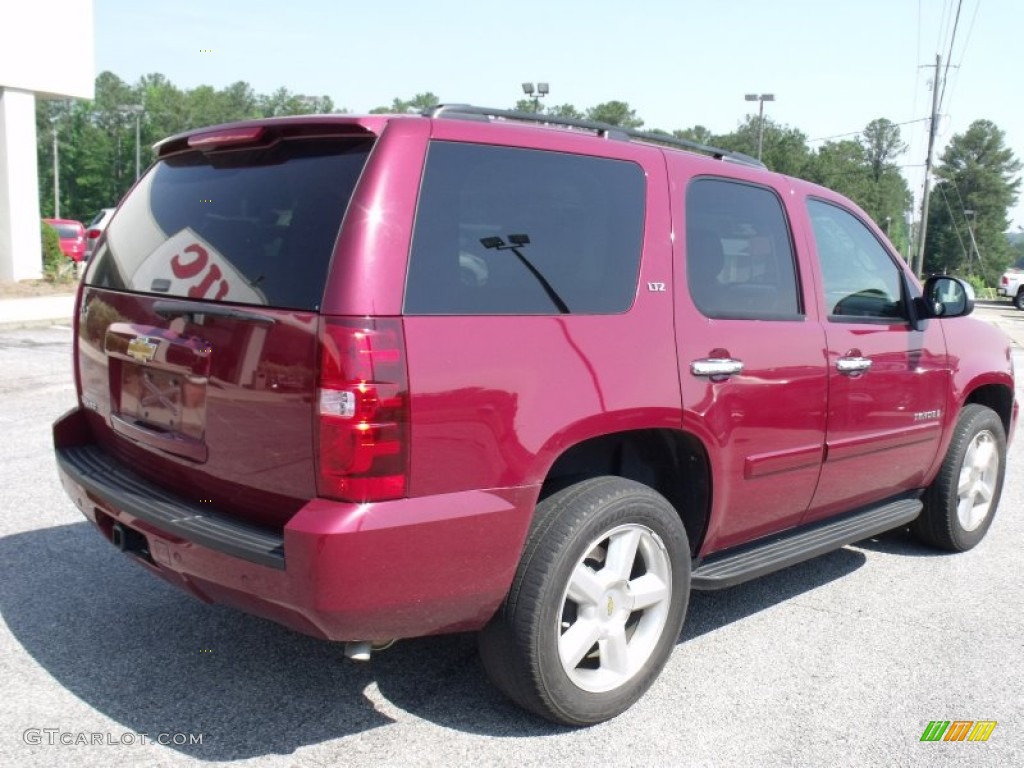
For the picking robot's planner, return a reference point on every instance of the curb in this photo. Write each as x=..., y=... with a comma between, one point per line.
x=36, y=312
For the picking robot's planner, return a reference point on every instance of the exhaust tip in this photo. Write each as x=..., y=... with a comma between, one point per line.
x=358, y=651
x=117, y=537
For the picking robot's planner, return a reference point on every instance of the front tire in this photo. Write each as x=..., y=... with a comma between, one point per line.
x=596, y=605
x=961, y=502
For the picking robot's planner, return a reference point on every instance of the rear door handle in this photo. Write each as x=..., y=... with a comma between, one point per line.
x=852, y=365
x=716, y=367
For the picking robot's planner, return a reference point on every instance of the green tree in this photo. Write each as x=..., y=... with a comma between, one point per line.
x=784, y=148
x=978, y=173
x=615, y=113
x=96, y=139
x=565, y=110
x=698, y=133
x=418, y=103
x=283, y=102
x=527, y=105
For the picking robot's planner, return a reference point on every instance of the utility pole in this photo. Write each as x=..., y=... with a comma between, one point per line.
x=919, y=261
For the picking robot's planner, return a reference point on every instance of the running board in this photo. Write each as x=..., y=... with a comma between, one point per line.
x=731, y=568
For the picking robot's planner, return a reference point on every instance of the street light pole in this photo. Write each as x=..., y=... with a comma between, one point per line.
x=762, y=98
x=137, y=110
x=56, y=171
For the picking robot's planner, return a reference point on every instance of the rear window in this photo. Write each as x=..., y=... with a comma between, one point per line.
x=68, y=231
x=254, y=226
x=526, y=232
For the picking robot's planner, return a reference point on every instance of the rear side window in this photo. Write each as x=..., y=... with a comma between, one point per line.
x=525, y=232
x=739, y=255
x=254, y=226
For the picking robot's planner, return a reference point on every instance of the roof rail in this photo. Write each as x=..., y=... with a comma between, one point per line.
x=604, y=130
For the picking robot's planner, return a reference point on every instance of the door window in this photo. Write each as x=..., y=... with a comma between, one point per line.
x=859, y=276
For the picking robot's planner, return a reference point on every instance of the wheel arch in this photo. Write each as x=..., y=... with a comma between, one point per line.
x=672, y=462
x=998, y=397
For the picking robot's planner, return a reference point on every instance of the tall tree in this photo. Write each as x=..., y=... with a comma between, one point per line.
x=882, y=146
x=978, y=173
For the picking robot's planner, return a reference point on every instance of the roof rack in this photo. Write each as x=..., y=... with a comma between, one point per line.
x=604, y=130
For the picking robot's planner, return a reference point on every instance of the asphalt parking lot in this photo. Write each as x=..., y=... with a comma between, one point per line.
x=840, y=661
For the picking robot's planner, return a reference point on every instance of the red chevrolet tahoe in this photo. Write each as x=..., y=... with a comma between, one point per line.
x=389, y=376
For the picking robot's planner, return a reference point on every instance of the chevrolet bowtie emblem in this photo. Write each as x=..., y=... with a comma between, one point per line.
x=142, y=349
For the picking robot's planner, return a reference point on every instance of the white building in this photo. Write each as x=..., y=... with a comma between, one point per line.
x=47, y=51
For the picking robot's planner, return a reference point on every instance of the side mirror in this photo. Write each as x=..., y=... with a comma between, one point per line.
x=945, y=296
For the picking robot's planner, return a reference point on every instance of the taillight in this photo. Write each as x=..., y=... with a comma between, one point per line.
x=1004, y=280
x=92, y=234
x=363, y=410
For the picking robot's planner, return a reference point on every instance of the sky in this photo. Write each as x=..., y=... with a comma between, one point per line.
x=833, y=66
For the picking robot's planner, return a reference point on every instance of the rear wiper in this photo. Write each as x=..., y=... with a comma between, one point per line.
x=517, y=242
x=197, y=312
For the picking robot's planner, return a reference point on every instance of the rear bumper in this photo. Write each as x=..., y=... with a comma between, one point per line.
x=337, y=570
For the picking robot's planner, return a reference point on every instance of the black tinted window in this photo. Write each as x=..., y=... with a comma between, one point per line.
x=67, y=230
x=253, y=226
x=859, y=276
x=739, y=256
x=516, y=231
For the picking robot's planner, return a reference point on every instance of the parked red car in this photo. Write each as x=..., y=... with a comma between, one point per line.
x=72, y=237
x=386, y=376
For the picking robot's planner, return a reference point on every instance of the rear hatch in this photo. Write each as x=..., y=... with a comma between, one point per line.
x=197, y=333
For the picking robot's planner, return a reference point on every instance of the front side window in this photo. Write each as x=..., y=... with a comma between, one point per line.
x=503, y=231
x=739, y=255
x=859, y=277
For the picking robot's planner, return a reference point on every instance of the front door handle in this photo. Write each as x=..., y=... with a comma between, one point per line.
x=716, y=367
x=852, y=365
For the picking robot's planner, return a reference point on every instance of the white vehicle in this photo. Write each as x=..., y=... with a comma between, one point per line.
x=95, y=229
x=1011, y=284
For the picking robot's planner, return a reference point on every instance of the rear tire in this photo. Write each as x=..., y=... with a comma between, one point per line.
x=1018, y=300
x=961, y=502
x=596, y=605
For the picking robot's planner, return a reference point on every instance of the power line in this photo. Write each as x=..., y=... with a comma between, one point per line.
x=857, y=133
x=944, y=16
x=917, y=79
x=963, y=51
x=949, y=55
x=956, y=229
